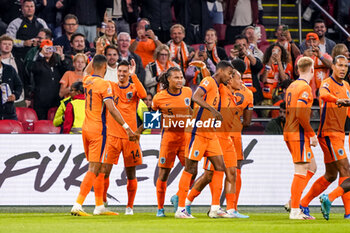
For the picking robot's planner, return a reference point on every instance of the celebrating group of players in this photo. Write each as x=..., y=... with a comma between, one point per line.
x=110, y=127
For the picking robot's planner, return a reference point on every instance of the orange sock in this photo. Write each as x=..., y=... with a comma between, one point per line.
x=216, y=187
x=131, y=187
x=238, y=188
x=339, y=191
x=184, y=186
x=161, y=189
x=297, y=188
x=309, y=175
x=105, y=188
x=230, y=199
x=86, y=186
x=98, y=188
x=316, y=189
x=345, y=197
x=193, y=194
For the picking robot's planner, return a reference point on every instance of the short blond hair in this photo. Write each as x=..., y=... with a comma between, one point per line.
x=338, y=50
x=160, y=48
x=304, y=64
x=177, y=26
x=6, y=38
x=80, y=55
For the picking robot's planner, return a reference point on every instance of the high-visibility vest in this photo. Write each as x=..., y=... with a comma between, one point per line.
x=79, y=115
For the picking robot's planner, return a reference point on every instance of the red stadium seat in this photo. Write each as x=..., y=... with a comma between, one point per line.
x=220, y=31
x=254, y=129
x=24, y=114
x=45, y=127
x=228, y=49
x=51, y=113
x=10, y=127
x=196, y=46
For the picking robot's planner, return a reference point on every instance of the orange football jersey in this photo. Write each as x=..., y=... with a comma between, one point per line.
x=299, y=100
x=243, y=100
x=333, y=118
x=126, y=100
x=97, y=90
x=228, y=110
x=174, y=108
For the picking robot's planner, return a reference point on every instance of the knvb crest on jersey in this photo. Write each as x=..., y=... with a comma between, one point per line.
x=151, y=120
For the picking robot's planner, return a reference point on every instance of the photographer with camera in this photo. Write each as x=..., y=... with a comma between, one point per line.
x=145, y=43
x=47, y=71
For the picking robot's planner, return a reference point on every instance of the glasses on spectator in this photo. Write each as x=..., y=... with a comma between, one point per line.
x=70, y=24
x=164, y=54
x=123, y=40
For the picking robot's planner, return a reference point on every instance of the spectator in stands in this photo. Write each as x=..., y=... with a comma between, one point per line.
x=108, y=33
x=194, y=16
x=160, y=16
x=74, y=114
x=148, y=100
x=156, y=68
x=238, y=14
x=277, y=68
x=51, y=12
x=216, y=12
x=322, y=61
x=253, y=66
x=77, y=43
x=12, y=86
x=124, y=13
x=326, y=45
x=88, y=16
x=145, y=43
x=70, y=26
x=111, y=52
x=10, y=9
x=180, y=52
x=214, y=52
x=6, y=46
x=252, y=36
x=25, y=29
x=59, y=115
x=47, y=72
x=124, y=54
x=70, y=77
x=200, y=67
x=276, y=125
x=284, y=38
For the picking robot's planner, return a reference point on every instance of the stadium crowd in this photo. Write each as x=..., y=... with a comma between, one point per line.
x=46, y=45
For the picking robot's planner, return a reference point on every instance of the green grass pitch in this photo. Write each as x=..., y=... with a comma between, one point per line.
x=262, y=219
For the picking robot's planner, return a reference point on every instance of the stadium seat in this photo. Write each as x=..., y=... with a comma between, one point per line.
x=24, y=114
x=45, y=127
x=228, y=49
x=10, y=127
x=220, y=31
x=196, y=46
x=51, y=113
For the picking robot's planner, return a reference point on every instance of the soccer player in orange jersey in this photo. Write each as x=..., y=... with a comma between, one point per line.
x=174, y=103
x=298, y=134
x=99, y=99
x=334, y=92
x=227, y=108
x=202, y=141
x=126, y=98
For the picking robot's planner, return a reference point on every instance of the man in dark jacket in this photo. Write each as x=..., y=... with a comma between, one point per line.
x=25, y=28
x=9, y=79
x=275, y=126
x=194, y=16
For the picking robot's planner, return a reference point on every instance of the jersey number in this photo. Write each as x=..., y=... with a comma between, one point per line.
x=135, y=154
x=90, y=98
x=289, y=98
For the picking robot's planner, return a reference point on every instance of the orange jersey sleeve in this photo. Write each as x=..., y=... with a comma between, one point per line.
x=332, y=117
x=96, y=92
x=299, y=100
x=228, y=110
x=126, y=101
x=175, y=108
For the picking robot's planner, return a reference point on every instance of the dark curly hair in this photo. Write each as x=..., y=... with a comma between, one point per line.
x=164, y=78
x=268, y=53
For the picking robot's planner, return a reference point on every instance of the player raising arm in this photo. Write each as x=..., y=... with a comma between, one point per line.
x=98, y=99
x=298, y=134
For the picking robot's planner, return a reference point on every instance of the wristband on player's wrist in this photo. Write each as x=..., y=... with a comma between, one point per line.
x=126, y=126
